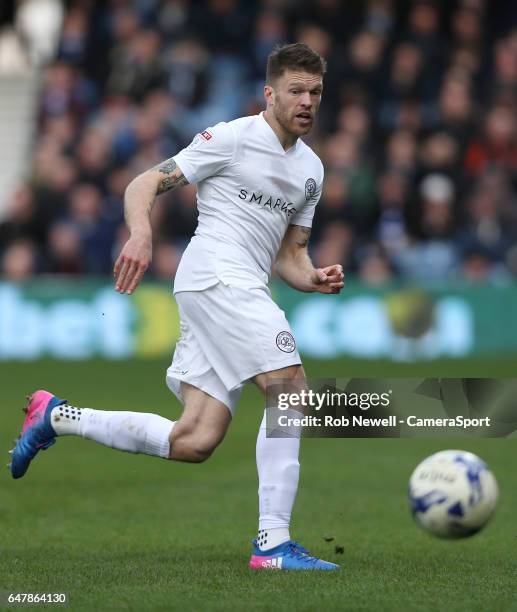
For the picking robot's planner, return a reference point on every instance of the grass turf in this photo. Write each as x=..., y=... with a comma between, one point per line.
x=117, y=531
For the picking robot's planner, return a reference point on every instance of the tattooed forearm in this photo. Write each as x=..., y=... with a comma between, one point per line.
x=293, y=263
x=173, y=176
x=302, y=239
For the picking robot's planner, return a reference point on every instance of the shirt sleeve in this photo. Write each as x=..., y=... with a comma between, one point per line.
x=209, y=152
x=305, y=216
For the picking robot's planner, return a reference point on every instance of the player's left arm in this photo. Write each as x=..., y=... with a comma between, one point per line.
x=294, y=266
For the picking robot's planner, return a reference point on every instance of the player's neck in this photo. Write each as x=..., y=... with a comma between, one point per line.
x=287, y=140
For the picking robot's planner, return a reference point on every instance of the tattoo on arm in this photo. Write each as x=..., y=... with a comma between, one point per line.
x=173, y=176
x=303, y=240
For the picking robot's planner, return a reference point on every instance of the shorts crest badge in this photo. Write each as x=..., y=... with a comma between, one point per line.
x=285, y=342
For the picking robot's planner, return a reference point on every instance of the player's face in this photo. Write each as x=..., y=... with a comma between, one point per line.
x=295, y=99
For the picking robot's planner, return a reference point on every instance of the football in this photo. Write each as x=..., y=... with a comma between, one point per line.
x=452, y=494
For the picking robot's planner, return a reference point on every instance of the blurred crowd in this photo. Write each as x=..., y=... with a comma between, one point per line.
x=417, y=131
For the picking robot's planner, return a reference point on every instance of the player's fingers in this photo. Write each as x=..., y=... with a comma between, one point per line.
x=126, y=275
x=321, y=275
x=335, y=288
x=137, y=278
x=131, y=273
x=121, y=273
x=117, y=266
x=332, y=270
x=331, y=288
x=337, y=273
x=336, y=278
x=339, y=284
x=325, y=288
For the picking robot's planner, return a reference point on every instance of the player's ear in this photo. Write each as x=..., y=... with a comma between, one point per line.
x=269, y=94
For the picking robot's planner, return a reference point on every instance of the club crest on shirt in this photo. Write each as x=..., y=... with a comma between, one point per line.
x=206, y=135
x=285, y=342
x=310, y=188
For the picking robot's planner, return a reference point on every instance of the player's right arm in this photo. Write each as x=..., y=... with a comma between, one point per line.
x=210, y=152
x=139, y=197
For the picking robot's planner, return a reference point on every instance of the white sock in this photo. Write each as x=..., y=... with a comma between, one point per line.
x=133, y=432
x=278, y=470
x=269, y=538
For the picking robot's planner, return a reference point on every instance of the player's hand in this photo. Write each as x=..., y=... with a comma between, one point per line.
x=133, y=261
x=329, y=279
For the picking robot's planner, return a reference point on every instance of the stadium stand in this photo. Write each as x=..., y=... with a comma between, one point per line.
x=417, y=130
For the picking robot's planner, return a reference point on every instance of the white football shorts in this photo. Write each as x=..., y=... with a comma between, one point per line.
x=229, y=335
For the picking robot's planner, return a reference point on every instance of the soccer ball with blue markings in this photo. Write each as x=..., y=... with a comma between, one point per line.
x=452, y=494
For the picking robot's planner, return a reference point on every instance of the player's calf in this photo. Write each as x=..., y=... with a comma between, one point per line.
x=193, y=444
x=200, y=429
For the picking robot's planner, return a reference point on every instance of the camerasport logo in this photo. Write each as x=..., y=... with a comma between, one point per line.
x=285, y=342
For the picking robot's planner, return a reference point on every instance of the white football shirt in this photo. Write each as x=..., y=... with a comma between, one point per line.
x=248, y=192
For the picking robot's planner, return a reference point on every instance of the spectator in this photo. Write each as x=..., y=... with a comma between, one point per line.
x=466, y=26
x=335, y=245
x=440, y=153
x=135, y=66
x=478, y=266
x=391, y=227
x=401, y=152
x=374, y=266
x=22, y=222
x=63, y=254
x=484, y=228
x=95, y=232
x=456, y=108
x=19, y=261
x=270, y=30
x=433, y=252
x=497, y=145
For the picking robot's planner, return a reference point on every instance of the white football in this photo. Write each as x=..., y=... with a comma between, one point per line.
x=452, y=494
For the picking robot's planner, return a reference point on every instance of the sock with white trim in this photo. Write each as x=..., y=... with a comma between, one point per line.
x=133, y=432
x=269, y=538
x=278, y=470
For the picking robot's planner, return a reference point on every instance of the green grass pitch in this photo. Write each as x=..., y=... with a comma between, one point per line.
x=123, y=532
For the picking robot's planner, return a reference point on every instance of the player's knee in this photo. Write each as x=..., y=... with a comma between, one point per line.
x=204, y=444
x=196, y=452
x=199, y=454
